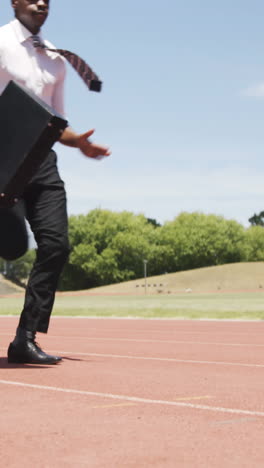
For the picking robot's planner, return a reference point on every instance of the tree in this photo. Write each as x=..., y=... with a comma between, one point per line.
x=195, y=240
x=255, y=244
x=153, y=222
x=257, y=220
x=107, y=247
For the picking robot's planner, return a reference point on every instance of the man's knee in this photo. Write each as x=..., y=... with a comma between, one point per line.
x=62, y=250
x=54, y=251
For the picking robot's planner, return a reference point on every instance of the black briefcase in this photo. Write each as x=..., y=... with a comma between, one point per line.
x=28, y=130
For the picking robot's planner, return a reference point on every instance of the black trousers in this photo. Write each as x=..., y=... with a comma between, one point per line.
x=44, y=202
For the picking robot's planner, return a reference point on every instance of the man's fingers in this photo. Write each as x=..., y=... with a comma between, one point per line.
x=86, y=135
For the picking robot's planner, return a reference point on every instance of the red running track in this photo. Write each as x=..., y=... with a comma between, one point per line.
x=136, y=394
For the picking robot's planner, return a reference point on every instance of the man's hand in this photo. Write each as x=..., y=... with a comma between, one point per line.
x=89, y=149
x=92, y=150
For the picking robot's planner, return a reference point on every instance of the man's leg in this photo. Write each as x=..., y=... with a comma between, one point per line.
x=45, y=202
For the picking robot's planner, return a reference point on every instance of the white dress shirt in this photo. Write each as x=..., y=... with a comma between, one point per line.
x=42, y=72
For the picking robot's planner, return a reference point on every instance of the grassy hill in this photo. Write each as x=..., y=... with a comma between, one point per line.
x=231, y=277
x=233, y=291
x=241, y=277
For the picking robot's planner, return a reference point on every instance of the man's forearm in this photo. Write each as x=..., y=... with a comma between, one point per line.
x=69, y=138
x=82, y=142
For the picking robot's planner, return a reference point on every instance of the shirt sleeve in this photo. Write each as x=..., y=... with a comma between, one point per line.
x=58, y=102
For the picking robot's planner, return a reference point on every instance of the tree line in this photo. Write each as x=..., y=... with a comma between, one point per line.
x=110, y=247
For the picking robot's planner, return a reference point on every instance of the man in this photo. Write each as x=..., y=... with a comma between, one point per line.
x=42, y=72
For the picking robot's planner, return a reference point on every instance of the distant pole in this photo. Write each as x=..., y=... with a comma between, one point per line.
x=145, y=274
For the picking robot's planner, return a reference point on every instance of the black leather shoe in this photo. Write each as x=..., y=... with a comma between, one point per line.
x=24, y=350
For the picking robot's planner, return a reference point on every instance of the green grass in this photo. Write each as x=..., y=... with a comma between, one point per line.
x=189, y=306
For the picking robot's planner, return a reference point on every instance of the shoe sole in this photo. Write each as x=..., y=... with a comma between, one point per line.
x=20, y=361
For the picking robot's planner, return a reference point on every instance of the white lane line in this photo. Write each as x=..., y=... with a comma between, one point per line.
x=144, y=358
x=217, y=409
x=115, y=405
x=146, y=340
x=205, y=397
x=233, y=421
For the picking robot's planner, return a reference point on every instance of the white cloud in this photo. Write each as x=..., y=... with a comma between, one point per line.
x=256, y=90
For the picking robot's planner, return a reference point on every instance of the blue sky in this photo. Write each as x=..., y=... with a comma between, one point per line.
x=182, y=105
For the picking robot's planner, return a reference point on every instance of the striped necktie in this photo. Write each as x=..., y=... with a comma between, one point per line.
x=85, y=72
